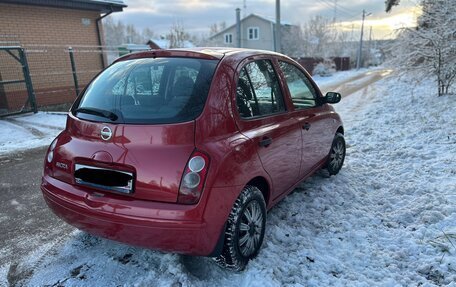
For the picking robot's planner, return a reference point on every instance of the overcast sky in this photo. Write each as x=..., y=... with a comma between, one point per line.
x=198, y=15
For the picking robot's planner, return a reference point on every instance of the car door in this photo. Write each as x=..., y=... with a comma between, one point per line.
x=312, y=117
x=263, y=117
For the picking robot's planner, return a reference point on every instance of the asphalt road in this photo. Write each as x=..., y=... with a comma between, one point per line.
x=356, y=83
x=26, y=222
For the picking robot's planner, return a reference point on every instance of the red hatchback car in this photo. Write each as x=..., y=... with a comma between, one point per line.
x=185, y=150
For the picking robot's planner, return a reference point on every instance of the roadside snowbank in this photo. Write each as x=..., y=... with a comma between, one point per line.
x=23, y=132
x=388, y=219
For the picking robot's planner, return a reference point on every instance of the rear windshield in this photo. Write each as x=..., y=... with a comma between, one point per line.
x=148, y=91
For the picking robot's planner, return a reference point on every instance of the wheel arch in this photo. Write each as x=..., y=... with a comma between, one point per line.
x=263, y=185
x=340, y=130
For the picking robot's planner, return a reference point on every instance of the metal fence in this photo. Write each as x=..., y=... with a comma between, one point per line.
x=16, y=89
x=57, y=72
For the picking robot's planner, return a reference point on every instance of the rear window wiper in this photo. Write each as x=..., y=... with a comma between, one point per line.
x=97, y=112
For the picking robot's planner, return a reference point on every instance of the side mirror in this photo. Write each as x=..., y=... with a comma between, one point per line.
x=333, y=97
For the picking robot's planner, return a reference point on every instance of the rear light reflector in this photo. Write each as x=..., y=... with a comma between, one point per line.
x=196, y=163
x=193, y=179
x=50, y=155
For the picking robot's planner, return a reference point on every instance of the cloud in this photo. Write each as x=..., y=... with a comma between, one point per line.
x=198, y=15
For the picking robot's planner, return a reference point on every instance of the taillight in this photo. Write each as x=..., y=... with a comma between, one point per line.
x=193, y=179
x=50, y=155
x=50, y=158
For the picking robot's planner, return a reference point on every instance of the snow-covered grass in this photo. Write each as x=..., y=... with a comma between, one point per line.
x=387, y=219
x=24, y=132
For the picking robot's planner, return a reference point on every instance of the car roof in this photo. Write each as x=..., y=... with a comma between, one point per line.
x=210, y=53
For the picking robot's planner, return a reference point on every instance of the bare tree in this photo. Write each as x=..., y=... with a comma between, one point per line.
x=147, y=34
x=217, y=27
x=222, y=25
x=177, y=35
x=200, y=39
x=213, y=29
x=431, y=46
x=117, y=33
x=317, y=38
x=343, y=47
x=133, y=36
x=317, y=33
x=114, y=32
x=292, y=41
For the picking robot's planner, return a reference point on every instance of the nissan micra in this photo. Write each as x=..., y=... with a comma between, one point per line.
x=185, y=150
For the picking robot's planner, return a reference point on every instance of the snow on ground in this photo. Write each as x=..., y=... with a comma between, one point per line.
x=29, y=131
x=387, y=219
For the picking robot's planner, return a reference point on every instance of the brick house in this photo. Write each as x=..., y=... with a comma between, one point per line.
x=46, y=29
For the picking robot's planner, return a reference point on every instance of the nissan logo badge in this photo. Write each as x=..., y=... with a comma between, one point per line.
x=106, y=133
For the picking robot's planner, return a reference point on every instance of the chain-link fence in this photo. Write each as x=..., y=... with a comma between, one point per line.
x=58, y=73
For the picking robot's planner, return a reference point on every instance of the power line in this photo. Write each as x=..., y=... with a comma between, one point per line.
x=341, y=7
x=335, y=5
x=245, y=9
x=325, y=3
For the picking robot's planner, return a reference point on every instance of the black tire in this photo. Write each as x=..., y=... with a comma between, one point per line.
x=243, y=243
x=336, y=155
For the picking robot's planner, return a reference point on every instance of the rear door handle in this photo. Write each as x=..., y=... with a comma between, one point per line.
x=266, y=141
x=306, y=126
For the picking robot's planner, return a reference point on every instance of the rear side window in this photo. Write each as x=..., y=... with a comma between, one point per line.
x=301, y=90
x=148, y=91
x=258, y=91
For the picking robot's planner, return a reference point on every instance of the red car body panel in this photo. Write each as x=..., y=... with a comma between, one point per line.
x=187, y=229
x=145, y=150
x=158, y=154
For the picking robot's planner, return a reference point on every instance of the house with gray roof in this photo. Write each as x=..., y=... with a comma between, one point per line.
x=257, y=32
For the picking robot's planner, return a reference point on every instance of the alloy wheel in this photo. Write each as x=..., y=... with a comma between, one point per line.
x=250, y=229
x=337, y=155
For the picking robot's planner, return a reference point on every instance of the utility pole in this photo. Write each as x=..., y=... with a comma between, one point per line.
x=370, y=38
x=335, y=12
x=369, y=45
x=360, y=50
x=278, y=26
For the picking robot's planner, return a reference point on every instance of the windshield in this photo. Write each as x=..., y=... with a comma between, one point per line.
x=148, y=91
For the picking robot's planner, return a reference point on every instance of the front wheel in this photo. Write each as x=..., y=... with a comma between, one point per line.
x=336, y=155
x=244, y=230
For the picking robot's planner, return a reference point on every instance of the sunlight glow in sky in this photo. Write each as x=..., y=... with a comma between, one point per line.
x=385, y=26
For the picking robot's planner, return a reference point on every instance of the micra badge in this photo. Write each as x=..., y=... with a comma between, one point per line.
x=61, y=165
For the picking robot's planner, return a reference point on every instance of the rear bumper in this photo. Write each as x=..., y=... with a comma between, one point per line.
x=162, y=226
